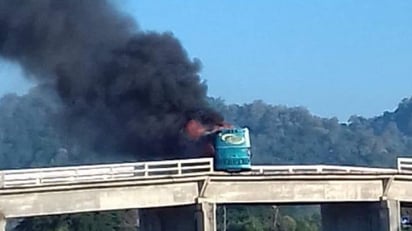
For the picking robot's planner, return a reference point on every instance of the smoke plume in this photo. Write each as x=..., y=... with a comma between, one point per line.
x=123, y=89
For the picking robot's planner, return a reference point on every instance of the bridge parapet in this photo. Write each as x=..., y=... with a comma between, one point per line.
x=166, y=169
x=105, y=172
x=404, y=165
x=319, y=169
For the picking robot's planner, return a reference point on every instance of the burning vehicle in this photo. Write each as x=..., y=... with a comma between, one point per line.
x=228, y=145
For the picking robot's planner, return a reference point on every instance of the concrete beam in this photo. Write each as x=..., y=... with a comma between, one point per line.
x=400, y=190
x=304, y=191
x=98, y=199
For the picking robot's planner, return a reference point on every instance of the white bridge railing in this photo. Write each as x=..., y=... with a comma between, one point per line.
x=302, y=169
x=164, y=169
x=87, y=173
x=404, y=165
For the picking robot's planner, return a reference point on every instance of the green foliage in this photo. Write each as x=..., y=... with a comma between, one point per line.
x=267, y=218
x=99, y=221
x=249, y=217
x=27, y=136
x=287, y=223
x=312, y=223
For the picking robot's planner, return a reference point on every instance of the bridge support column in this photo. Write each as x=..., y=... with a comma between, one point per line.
x=206, y=216
x=390, y=215
x=362, y=216
x=2, y=222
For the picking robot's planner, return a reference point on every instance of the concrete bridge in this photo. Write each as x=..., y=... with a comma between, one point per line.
x=182, y=194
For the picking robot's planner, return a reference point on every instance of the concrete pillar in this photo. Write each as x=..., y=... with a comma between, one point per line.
x=2, y=222
x=390, y=215
x=361, y=216
x=206, y=217
x=199, y=217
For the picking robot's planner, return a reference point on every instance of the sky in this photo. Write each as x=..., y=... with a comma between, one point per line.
x=336, y=58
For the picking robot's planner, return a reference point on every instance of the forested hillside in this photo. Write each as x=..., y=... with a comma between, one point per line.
x=294, y=136
x=29, y=137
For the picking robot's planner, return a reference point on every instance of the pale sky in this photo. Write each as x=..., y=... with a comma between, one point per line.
x=336, y=58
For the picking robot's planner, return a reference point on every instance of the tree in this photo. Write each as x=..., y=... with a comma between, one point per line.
x=97, y=221
x=287, y=223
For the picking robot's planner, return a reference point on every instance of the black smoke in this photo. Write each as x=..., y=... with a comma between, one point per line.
x=124, y=90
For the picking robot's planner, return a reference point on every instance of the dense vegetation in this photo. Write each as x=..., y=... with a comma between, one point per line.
x=280, y=135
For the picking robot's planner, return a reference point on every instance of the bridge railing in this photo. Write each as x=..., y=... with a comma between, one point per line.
x=87, y=173
x=404, y=165
x=324, y=169
x=167, y=168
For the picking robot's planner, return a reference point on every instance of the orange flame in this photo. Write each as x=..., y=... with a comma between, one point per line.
x=195, y=129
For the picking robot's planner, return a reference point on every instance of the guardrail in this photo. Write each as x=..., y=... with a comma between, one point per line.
x=87, y=173
x=300, y=169
x=404, y=165
x=168, y=168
